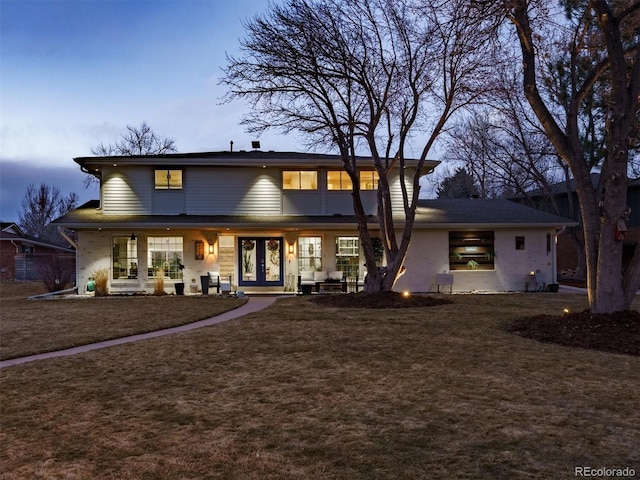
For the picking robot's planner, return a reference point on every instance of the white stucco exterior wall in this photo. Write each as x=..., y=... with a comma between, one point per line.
x=428, y=255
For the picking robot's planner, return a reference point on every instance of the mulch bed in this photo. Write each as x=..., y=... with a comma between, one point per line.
x=616, y=333
x=378, y=300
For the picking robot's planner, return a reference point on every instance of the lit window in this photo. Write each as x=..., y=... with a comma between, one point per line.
x=168, y=179
x=348, y=255
x=300, y=180
x=369, y=180
x=471, y=250
x=309, y=253
x=338, y=180
x=164, y=257
x=125, y=257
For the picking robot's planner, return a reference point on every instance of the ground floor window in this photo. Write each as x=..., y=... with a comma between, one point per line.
x=164, y=256
x=348, y=255
x=125, y=257
x=309, y=254
x=471, y=250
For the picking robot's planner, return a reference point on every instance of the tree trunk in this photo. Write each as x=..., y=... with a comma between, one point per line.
x=608, y=289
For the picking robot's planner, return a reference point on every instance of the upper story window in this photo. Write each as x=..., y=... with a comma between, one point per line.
x=166, y=179
x=340, y=180
x=300, y=180
x=369, y=180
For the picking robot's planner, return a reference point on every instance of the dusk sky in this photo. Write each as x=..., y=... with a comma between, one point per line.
x=74, y=73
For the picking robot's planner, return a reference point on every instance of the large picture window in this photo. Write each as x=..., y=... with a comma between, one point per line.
x=168, y=179
x=164, y=256
x=300, y=180
x=309, y=253
x=124, y=257
x=348, y=255
x=472, y=250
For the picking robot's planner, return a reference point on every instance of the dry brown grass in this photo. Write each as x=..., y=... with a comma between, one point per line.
x=304, y=391
x=35, y=326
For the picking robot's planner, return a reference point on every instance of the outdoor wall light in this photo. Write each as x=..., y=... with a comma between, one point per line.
x=133, y=236
x=291, y=249
x=210, y=247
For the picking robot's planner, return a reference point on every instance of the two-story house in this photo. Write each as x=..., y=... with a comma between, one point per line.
x=261, y=218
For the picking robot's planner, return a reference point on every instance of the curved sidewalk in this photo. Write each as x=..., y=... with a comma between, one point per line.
x=253, y=305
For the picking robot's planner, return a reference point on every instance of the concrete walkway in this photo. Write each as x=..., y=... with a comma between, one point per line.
x=253, y=305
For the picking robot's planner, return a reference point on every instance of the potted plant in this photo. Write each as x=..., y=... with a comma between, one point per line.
x=180, y=285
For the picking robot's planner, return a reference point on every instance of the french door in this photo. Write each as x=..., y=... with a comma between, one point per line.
x=261, y=261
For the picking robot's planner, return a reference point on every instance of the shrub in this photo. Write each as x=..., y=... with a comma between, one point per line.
x=158, y=288
x=55, y=270
x=101, y=278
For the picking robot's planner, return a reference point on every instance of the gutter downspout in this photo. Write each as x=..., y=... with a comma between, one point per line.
x=67, y=238
x=24, y=263
x=75, y=247
x=559, y=231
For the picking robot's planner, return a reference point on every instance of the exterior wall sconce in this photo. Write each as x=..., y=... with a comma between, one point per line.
x=291, y=249
x=210, y=247
x=133, y=236
x=199, y=250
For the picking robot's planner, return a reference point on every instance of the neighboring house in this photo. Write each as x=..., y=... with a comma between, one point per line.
x=260, y=218
x=566, y=202
x=20, y=254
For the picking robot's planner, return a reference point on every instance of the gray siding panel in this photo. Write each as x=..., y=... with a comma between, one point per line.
x=395, y=189
x=226, y=191
x=127, y=191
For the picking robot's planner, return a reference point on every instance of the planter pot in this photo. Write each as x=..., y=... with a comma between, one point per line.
x=179, y=288
x=553, y=287
x=204, y=283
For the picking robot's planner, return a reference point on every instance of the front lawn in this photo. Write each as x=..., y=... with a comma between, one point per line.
x=305, y=391
x=34, y=326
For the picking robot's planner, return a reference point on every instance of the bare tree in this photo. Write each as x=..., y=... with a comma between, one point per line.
x=585, y=89
x=140, y=140
x=40, y=206
x=363, y=75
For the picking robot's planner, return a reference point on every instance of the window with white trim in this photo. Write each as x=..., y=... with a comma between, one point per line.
x=124, y=257
x=300, y=180
x=165, y=256
x=309, y=253
x=166, y=179
x=348, y=255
